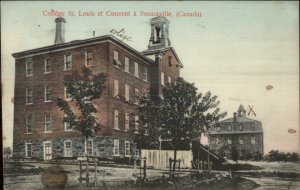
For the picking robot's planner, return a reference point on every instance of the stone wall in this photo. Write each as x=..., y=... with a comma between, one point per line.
x=102, y=147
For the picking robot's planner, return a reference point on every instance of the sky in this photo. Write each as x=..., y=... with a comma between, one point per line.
x=235, y=50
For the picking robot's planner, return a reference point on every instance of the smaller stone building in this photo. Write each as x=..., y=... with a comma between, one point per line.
x=238, y=135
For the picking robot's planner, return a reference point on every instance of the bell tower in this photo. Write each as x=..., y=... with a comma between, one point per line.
x=159, y=33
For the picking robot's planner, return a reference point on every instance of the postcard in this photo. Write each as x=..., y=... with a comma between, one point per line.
x=133, y=95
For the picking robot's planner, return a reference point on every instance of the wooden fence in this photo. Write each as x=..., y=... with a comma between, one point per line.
x=160, y=158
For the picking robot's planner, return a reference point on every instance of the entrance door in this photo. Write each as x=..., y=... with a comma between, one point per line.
x=47, y=150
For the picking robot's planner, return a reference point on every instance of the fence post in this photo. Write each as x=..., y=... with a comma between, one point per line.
x=145, y=175
x=170, y=166
x=87, y=172
x=179, y=167
x=80, y=172
x=96, y=179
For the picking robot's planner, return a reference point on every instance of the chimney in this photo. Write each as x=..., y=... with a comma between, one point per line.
x=234, y=117
x=59, y=31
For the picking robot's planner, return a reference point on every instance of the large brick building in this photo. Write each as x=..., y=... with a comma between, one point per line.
x=240, y=133
x=39, y=130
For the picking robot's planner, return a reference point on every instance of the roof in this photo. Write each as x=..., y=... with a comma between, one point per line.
x=160, y=50
x=81, y=42
x=238, y=120
x=247, y=122
x=241, y=108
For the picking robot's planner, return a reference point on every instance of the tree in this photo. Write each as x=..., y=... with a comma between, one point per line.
x=234, y=154
x=7, y=152
x=180, y=116
x=82, y=88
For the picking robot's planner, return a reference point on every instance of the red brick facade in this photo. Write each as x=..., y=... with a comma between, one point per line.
x=102, y=50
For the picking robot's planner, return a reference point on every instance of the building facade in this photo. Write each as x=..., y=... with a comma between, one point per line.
x=239, y=134
x=39, y=130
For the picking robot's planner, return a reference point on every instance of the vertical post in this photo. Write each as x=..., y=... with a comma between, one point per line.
x=80, y=172
x=96, y=167
x=201, y=163
x=197, y=165
x=87, y=172
x=145, y=168
x=179, y=167
x=170, y=166
x=209, y=166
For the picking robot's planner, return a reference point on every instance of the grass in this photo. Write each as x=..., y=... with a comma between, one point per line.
x=20, y=168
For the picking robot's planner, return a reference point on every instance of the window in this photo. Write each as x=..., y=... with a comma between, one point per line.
x=162, y=78
x=117, y=63
x=253, y=141
x=146, y=130
x=127, y=97
x=170, y=61
x=127, y=148
x=136, y=69
x=48, y=127
x=68, y=62
x=47, y=94
x=126, y=121
x=68, y=149
x=28, y=150
x=116, y=147
x=67, y=125
x=145, y=74
x=67, y=94
x=241, y=127
x=137, y=153
x=116, y=55
x=136, y=96
x=29, y=68
x=241, y=141
x=116, y=119
x=252, y=127
x=217, y=140
x=89, y=58
x=136, y=123
x=116, y=87
x=29, y=96
x=229, y=127
x=229, y=141
x=169, y=79
x=29, y=123
x=127, y=64
x=47, y=66
x=89, y=147
x=218, y=128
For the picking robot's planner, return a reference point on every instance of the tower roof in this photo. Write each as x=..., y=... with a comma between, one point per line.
x=159, y=19
x=241, y=108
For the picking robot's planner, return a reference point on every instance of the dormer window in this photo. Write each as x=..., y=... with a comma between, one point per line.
x=241, y=127
x=252, y=127
x=229, y=127
x=117, y=62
